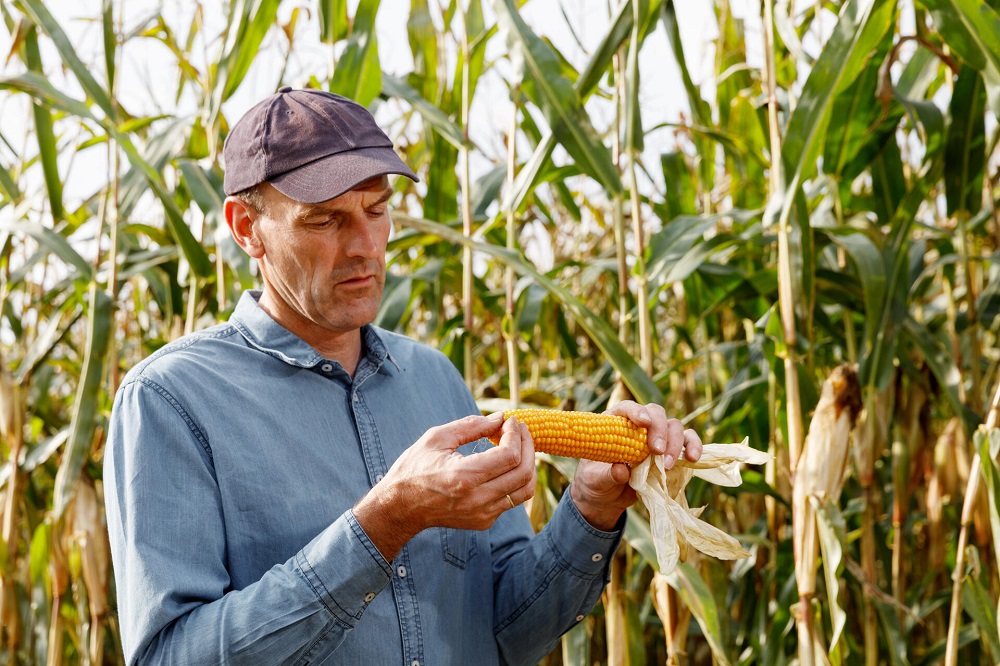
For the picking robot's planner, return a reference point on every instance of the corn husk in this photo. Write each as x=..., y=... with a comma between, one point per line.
x=674, y=524
x=821, y=470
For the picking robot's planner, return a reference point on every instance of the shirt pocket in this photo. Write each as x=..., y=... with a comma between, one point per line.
x=458, y=546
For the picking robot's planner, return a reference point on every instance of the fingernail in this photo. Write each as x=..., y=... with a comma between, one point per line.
x=659, y=445
x=668, y=461
x=496, y=415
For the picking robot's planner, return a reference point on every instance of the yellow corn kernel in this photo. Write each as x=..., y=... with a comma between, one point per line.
x=600, y=437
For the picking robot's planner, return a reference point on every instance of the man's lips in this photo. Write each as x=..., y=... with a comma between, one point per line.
x=358, y=281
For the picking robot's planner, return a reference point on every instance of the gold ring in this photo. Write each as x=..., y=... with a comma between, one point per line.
x=512, y=505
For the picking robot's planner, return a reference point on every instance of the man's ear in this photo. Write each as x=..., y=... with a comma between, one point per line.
x=242, y=218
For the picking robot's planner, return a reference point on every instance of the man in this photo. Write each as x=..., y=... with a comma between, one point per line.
x=286, y=487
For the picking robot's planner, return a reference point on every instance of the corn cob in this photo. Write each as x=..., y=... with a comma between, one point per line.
x=600, y=437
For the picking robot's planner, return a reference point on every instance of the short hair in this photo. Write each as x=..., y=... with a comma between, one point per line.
x=253, y=197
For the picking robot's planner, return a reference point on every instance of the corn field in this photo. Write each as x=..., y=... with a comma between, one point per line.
x=808, y=255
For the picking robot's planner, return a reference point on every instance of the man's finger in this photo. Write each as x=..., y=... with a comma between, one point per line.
x=469, y=429
x=502, y=458
x=652, y=417
x=675, y=442
x=692, y=445
x=620, y=473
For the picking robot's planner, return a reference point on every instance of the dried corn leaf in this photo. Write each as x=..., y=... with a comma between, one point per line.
x=673, y=523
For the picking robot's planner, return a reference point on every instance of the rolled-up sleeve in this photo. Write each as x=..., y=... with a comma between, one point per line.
x=167, y=532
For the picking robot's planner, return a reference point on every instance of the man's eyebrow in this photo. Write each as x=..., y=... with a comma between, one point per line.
x=385, y=196
x=314, y=211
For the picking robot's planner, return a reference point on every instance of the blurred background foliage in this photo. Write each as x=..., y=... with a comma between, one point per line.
x=828, y=197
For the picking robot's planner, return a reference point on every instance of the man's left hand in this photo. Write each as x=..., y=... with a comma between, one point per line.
x=601, y=491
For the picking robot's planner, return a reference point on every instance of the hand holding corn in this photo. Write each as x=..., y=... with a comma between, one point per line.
x=603, y=491
x=433, y=485
x=624, y=435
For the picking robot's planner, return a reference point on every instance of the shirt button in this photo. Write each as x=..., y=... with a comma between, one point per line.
x=369, y=597
x=356, y=397
x=579, y=618
x=379, y=478
x=326, y=367
x=415, y=663
x=401, y=571
x=596, y=557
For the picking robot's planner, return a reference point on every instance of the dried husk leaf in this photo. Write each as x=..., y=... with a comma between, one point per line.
x=821, y=467
x=91, y=533
x=674, y=525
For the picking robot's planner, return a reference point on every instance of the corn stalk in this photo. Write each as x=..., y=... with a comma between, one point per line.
x=468, y=291
x=510, y=331
x=819, y=478
x=968, y=506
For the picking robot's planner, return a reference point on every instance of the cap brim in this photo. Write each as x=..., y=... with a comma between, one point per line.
x=329, y=177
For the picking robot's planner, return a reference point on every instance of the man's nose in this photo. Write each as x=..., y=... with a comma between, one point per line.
x=364, y=238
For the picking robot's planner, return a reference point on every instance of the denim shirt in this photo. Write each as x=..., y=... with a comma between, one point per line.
x=234, y=457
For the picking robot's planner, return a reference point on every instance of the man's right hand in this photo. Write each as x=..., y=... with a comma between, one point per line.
x=432, y=485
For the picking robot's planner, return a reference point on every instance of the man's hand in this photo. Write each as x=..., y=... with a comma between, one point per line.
x=432, y=485
x=601, y=491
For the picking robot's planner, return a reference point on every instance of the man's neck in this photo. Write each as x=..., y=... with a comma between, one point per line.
x=345, y=348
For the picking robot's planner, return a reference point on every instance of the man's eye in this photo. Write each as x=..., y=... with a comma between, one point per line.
x=378, y=211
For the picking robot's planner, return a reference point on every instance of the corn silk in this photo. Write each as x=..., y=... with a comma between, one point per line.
x=674, y=524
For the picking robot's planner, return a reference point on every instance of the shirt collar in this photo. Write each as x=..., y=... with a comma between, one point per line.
x=272, y=338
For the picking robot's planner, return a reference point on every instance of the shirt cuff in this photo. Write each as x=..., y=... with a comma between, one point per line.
x=344, y=569
x=585, y=549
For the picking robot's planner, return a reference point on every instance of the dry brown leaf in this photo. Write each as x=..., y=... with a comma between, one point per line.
x=674, y=525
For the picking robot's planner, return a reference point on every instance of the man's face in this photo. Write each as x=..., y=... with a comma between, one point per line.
x=324, y=264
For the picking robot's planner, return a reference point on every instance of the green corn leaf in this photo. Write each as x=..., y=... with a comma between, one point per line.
x=965, y=147
x=639, y=535
x=48, y=151
x=861, y=26
x=39, y=88
x=441, y=200
x=941, y=361
x=971, y=28
x=700, y=111
x=831, y=541
x=54, y=242
x=696, y=595
x=201, y=188
x=395, y=301
x=980, y=605
x=38, y=552
x=888, y=181
x=258, y=17
x=50, y=333
x=558, y=100
x=333, y=22
x=110, y=41
x=424, y=47
x=680, y=199
x=475, y=28
x=40, y=15
x=358, y=74
x=606, y=339
x=84, y=420
x=873, y=274
x=430, y=114
x=586, y=82
x=863, y=125
x=987, y=443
